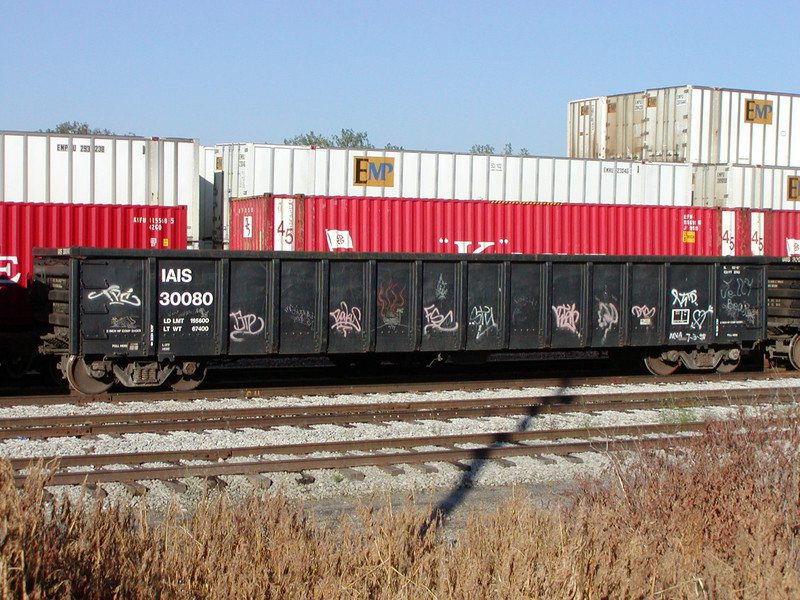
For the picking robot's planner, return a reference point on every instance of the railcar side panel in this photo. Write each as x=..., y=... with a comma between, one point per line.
x=397, y=306
x=170, y=305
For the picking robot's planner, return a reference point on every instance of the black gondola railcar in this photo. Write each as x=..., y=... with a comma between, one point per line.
x=153, y=317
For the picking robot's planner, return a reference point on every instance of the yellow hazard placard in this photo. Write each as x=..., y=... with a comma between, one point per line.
x=689, y=237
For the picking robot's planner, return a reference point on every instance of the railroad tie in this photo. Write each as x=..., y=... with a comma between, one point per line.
x=259, y=481
x=134, y=488
x=305, y=478
x=178, y=487
x=352, y=474
x=425, y=468
x=391, y=470
x=213, y=482
x=94, y=490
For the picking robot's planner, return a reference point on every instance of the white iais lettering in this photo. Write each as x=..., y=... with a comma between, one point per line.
x=176, y=275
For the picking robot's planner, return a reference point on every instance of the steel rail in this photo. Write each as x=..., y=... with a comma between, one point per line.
x=492, y=445
x=340, y=414
x=153, y=395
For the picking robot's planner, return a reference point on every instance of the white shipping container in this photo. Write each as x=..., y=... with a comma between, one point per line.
x=74, y=169
x=688, y=124
x=745, y=186
x=255, y=169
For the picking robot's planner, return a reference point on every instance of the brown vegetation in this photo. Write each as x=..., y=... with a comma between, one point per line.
x=719, y=519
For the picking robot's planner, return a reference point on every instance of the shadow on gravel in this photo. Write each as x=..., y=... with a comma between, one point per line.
x=459, y=494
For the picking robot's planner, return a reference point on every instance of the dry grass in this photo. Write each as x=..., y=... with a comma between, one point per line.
x=718, y=520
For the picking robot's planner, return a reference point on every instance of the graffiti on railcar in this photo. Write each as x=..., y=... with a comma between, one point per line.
x=482, y=317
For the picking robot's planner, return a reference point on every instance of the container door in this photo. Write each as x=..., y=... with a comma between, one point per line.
x=301, y=305
x=188, y=307
x=691, y=316
x=349, y=308
x=395, y=308
x=442, y=321
x=527, y=283
x=606, y=305
x=113, y=308
x=486, y=306
x=250, y=322
x=740, y=303
x=645, y=301
x=568, y=310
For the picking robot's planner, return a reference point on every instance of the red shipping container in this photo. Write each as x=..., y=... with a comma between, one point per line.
x=320, y=223
x=24, y=226
x=782, y=233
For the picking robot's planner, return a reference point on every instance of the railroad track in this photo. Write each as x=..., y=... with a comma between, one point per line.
x=386, y=452
x=347, y=414
x=371, y=387
x=402, y=451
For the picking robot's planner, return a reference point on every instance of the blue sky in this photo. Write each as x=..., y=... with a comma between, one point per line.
x=423, y=75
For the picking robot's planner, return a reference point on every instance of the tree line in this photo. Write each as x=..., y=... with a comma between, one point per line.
x=347, y=138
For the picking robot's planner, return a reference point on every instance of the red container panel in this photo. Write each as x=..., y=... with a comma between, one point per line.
x=321, y=223
x=24, y=226
x=782, y=233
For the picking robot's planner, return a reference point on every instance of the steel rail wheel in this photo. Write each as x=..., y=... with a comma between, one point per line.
x=81, y=379
x=660, y=367
x=186, y=382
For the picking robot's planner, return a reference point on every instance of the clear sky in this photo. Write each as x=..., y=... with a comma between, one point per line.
x=422, y=75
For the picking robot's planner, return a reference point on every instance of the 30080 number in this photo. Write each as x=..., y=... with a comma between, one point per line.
x=186, y=299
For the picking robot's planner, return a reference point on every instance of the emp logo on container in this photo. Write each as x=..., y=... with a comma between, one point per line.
x=758, y=111
x=373, y=171
x=793, y=188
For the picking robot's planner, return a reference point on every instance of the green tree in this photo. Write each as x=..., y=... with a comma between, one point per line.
x=309, y=139
x=351, y=139
x=393, y=147
x=76, y=128
x=524, y=152
x=482, y=149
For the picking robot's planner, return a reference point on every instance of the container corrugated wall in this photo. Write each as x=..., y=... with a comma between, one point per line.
x=319, y=223
x=254, y=169
x=742, y=186
x=74, y=169
x=691, y=124
x=24, y=226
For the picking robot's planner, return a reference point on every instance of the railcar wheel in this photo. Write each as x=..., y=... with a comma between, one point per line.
x=185, y=381
x=794, y=352
x=81, y=379
x=660, y=367
x=728, y=364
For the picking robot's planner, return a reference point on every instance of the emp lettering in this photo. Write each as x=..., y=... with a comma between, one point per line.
x=373, y=171
x=758, y=111
x=793, y=187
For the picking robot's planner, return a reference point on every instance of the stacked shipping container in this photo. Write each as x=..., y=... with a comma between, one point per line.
x=119, y=170
x=254, y=169
x=24, y=226
x=688, y=124
x=321, y=223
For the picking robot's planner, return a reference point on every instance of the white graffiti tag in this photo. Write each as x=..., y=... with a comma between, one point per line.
x=607, y=317
x=436, y=321
x=116, y=296
x=644, y=313
x=244, y=325
x=346, y=319
x=567, y=317
x=683, y=299
x=699, y=317
x=483, y=318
